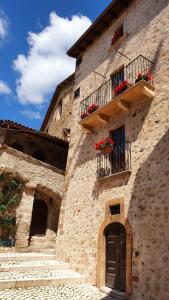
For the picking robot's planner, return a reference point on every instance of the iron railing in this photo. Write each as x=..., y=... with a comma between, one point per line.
x=106, y=92
x=7, y=243
x=117, y=161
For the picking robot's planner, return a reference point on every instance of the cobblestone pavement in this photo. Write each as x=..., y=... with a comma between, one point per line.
x=67, y=292
x=31, y=263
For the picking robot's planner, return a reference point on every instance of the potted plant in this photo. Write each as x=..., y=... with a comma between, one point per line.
x=84, y=115
x=105, y=145
x=118, y=33
x=147, y=77
x=121, y=87
x=92, y=108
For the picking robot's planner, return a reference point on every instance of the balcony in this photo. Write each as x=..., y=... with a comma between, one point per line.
x=132, y=83
x=115, y=164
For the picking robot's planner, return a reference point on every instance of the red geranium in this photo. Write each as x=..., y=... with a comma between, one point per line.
x=121, y=87
x=92, y=108
x=105, y=143
x=115, y=37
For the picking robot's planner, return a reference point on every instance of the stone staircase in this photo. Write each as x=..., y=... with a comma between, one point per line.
x=18, y=270
x=42, y=244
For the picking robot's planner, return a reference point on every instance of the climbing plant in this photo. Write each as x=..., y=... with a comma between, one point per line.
x=11, y=189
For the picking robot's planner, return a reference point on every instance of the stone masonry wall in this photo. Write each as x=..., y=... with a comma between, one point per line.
x=145, y=192
x=41, y=181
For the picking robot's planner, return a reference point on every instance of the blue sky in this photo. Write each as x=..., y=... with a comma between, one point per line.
x=31, y=69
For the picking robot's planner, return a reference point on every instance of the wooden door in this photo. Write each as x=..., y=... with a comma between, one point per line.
x=116, y=257
x=117, y=157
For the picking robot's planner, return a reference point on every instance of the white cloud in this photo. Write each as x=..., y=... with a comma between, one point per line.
x=4, y=88
x=30, y=114
x=46, y=63
x=3, y=25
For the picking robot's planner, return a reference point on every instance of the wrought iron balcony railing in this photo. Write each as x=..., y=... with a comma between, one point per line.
x=117, y=161
x=138, y=69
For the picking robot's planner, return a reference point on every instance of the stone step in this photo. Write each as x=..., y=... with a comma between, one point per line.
x=15, y=279
x=15, y=256
x=40, y=250
x=33, y=265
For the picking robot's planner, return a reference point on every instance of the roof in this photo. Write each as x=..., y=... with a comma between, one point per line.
x=54, y=99
x=8, y=124
x=104, y=20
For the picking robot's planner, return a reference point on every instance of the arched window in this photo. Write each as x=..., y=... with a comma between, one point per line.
x=39, y=155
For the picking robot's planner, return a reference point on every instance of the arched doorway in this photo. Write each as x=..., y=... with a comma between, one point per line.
x=115, y=260
x=39, y=218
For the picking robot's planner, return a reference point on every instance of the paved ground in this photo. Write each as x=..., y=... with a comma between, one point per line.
x=67, y=292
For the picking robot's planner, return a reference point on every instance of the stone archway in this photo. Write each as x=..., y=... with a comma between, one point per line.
x=39, y=218
x=101, y=257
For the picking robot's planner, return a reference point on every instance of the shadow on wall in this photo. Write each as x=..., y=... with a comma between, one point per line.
x=149, y=216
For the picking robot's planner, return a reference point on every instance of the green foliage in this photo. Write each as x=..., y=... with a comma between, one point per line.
x=11, y=189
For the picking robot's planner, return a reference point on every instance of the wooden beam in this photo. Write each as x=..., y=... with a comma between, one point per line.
x=102, y=119
x=147, y=92
x=87, y=128
x=123, y=105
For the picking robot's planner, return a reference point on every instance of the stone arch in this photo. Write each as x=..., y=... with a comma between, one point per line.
x=101, y=257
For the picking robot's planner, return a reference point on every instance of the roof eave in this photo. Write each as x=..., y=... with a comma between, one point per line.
x=113, y=11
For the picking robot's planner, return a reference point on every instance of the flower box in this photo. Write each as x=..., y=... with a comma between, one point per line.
x=84, y=115
x=121, y=88
x=105, y=145
x=147, y=77
x=92, y=108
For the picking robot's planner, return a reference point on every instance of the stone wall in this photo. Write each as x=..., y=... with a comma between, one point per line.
x=55, y=126
x=145, y=192
x=42, y=181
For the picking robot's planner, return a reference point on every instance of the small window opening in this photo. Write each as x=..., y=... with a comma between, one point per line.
x=78, y=61
x=115, y=209
x=60, y=106
x=77, y=93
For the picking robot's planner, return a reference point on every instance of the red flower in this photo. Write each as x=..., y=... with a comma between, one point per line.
x=115, y=37
x=120, y=87
x=149, y=76
x=92, y=108
x=108, y=142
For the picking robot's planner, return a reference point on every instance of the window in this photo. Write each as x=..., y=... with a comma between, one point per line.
x=58, y=111
x=77, y=93
x=117, y=78
x=59, y=107
x=78, y=61
x=121, y=31
x=117, y=34
x=115, y=209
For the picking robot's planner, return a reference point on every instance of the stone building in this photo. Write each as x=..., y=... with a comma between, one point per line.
x=40, y=160
x=112, y=209
x=114, y=219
